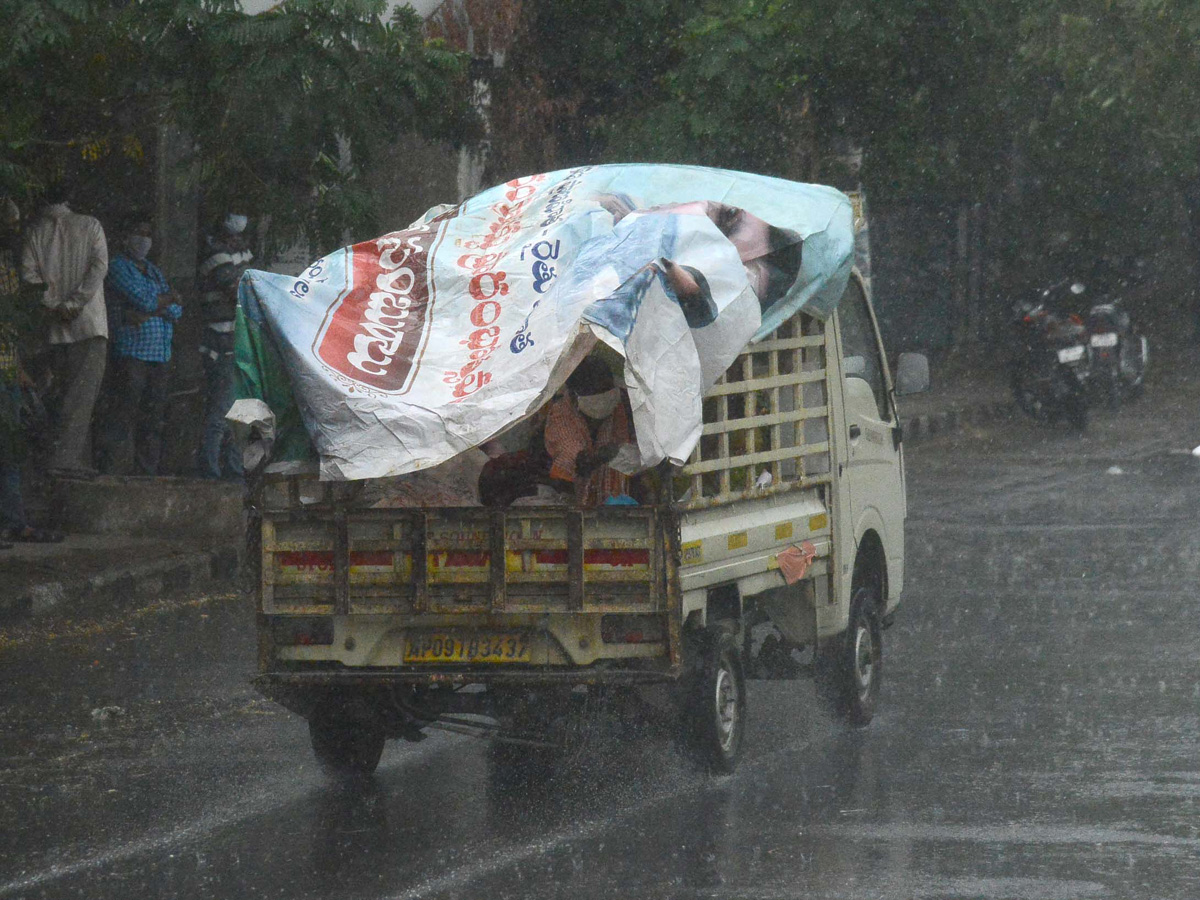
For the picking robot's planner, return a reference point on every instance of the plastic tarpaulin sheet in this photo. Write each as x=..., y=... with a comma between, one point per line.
x=407, y=350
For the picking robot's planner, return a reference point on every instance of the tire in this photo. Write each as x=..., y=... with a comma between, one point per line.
x=1029, y=397
x=345, y=747
x=849, y=668
x=714, y=704
x=1026, y=397
x=1133, y=365
x=1112, y=389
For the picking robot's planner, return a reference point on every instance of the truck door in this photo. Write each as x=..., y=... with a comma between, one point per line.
x=873, y=467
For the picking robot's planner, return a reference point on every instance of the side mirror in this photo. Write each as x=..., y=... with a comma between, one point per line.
x=912, y=374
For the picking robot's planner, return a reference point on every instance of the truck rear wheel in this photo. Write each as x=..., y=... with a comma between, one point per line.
x=714, y=714
x=849, y=668
x=345, y=746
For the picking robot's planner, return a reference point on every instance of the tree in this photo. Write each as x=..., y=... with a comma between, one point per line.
x=286, y=108
x=1075, y=122
x=1115, y=127
x=741, y=84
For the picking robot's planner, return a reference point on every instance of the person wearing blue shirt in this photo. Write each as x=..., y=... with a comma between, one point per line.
x=144, y=309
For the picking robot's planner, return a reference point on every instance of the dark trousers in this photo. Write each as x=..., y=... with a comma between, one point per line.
x=137, y=409
x=219, y=454
x=12, y=509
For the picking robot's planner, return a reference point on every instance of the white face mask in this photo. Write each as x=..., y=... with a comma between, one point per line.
x=599, y=406
x=235, y=224
x=138, y=245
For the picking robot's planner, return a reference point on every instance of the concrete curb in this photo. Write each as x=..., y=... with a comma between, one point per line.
x=919, y=427
x=142, y=581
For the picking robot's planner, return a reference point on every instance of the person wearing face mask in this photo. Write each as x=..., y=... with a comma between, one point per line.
x=146, y=309
x=586, y=424
x=225, y=256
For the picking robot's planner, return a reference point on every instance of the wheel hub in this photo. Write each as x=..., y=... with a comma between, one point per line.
x=726, y=707
x=864, y=659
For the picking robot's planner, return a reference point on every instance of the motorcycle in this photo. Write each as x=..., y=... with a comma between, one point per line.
x=1119, y=353
x=1051, y=365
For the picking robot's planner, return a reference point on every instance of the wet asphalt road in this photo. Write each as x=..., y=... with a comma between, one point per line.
x=1038, y=736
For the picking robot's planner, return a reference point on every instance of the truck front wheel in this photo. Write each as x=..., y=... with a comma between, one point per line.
x=714, y=720
x=849, y=668
x=345, y=747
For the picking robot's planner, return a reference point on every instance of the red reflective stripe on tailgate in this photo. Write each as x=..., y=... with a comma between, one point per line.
x=371, y=558
x=306, y=559
x=616, y=557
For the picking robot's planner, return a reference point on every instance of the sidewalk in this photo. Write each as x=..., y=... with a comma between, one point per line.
x=107, y=569
x=963, y=391
x=128, y=539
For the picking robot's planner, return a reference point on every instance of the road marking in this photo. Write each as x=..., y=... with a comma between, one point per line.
x=1015, y=833
x=504, y=857
x=918, y=887
x=1065, y=528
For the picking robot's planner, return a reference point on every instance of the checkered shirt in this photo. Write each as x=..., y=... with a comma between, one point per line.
x=133, y=291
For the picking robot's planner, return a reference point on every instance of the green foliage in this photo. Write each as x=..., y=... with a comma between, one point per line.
x=576, y=66
x=1113, y=122
x=286, y=108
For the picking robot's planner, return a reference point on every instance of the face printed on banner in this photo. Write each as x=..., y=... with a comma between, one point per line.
x=770, y=255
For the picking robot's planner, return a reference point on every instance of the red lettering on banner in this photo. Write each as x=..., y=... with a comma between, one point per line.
x=484, y=338
x=485, y=313
x=495, y=283
x=487, y=286
x=374, y=334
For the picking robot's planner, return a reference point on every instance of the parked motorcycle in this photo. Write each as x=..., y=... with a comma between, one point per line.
x=1119, y=353
x=1050, y=365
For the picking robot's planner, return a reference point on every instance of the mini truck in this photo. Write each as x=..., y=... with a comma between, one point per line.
x=378, y=623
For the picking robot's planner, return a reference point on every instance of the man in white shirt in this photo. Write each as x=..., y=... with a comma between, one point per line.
x=66, y=252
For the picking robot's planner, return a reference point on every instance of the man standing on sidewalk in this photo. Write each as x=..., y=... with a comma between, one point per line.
x=13, y=524
x=66, y=252
x=225, y=256
x=146, y=309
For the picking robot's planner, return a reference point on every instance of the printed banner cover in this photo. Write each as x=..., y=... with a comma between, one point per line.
x=399, y=353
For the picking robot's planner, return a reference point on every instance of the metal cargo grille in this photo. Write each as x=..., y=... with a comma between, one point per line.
x=328, y=560
x=769, y=412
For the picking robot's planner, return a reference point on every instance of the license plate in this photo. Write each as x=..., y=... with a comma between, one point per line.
x=1070, y=354
x=435, y=647
x=1104, y=340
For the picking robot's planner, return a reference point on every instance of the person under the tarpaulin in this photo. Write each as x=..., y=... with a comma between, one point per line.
x=587, y=423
